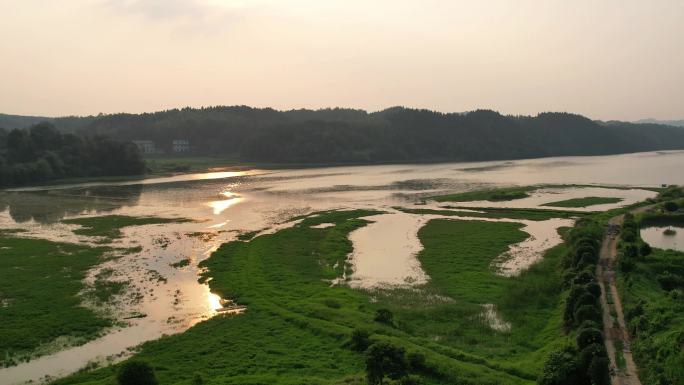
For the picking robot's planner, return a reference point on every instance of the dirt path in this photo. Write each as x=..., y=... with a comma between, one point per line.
x=614, y=328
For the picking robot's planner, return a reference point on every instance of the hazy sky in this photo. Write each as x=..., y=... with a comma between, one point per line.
x=607, y=59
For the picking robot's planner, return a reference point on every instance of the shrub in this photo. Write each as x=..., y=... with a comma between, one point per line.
x=631, y=251
x=645, y=249
x=197, y=380
x=384, y=359
x=587, y=313
x=360, y=340
x=560, y=368
x=332, y=303
x=410, y=380
x=416, y=362
x=585, y=299
x=384, y=316
x=576, y=292
x=669, y=281
x=589, y=325
x=588, y=354
x=671, y=206
x=585, y=253
x=136, y=373
x=628, y=235
x=584, y=277
x=587, y=337
x=626, y=265
x=594, y=288
x=598, y=372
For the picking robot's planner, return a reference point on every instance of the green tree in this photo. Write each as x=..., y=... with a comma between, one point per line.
x=599, y=372
x=671, y=206
x=384, y=316
x=360, y=340
x=560, y=368
x=587, y=337
x=136, y=373
x=385, y=360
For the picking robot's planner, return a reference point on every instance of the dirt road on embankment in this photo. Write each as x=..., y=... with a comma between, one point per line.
x=615, y=328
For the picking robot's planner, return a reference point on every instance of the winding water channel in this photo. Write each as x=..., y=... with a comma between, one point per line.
x=224, y=204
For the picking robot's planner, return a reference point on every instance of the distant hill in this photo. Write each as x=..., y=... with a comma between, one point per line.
x=678, y=123
x=393, y=135
x=18, y=121
x=66, y=123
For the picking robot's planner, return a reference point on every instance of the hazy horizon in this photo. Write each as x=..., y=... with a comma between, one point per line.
x=613, y=60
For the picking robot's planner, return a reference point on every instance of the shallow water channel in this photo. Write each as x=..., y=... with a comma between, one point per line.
x=224, y=204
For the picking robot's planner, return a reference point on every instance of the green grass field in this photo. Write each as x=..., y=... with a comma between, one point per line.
x=39, y=286
x=584, y=202
x=296, y=328
x=109, y=226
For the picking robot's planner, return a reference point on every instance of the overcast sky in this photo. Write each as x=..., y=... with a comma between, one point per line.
x=607, y=59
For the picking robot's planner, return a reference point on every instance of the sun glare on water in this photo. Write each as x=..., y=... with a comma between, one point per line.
x=221, y=205
x=214, y=301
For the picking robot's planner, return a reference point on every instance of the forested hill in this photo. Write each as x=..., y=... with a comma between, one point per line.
x=392, y=135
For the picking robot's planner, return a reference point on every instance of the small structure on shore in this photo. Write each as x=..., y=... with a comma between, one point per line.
x=146, y=146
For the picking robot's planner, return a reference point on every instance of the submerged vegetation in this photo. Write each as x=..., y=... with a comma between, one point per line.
x=497, y=213
x=492, y=195
x=109, y=226
x=40, y=282
x=466, y=324
x=584, y=202
x=299, y=329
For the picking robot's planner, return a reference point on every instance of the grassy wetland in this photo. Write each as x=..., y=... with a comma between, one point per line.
x=468, y=323
x=41, y=309
x=278, y=299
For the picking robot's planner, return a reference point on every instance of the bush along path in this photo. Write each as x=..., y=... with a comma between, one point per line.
x=617, y=341
x=586, y=361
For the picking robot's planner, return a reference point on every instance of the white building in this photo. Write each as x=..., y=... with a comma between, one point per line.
x=181, y=145
x=146, y=146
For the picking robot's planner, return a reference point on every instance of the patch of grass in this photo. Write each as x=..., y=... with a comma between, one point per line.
x=39, y=285
x=182, y=263
x=296, y=328
x=174, y=164
x=655, y=316
x=509, y=213
x=12, y=231
x=583, y=202
x=248, y=235
x=109, y=226
x=458, y=257
x=492, y=195
x=104, y=289
x=619, y=355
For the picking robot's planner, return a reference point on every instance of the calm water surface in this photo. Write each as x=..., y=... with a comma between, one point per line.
x=225, y=204
x=656, y=237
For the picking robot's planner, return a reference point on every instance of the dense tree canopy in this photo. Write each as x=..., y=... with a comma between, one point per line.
x=395, y=134
x=41, y=153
